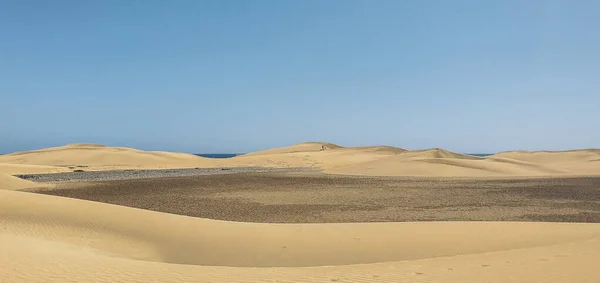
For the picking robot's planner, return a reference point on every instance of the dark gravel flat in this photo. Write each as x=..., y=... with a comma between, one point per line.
x=312, y=197
x=85, y=176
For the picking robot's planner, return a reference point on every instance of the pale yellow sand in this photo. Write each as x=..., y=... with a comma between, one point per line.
x=585, y=161
x=99, y=157
x=14, y=169
x=437, y=162
x=8, y=182
x=370, y=161
x=302, y=147
x=312, y=147
x=52, y=239
x=310, y=155
x=389, y=161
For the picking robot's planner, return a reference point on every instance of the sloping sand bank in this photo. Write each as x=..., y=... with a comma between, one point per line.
x=99, y=157
x=8, y=182
x=310, y=155
x=46, y=238
x=14, y=169
x=432, y=164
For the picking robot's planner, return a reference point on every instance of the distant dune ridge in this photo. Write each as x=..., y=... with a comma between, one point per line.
x=301, y=147
x=100, y=157
x=392, y=161
x=335, y=159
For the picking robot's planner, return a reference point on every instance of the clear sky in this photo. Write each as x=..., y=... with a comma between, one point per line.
x=237, y=76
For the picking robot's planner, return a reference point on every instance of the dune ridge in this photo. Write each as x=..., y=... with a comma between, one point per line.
x=297, y=148
x=435, y=162
x=365, y=160
x=100, y=157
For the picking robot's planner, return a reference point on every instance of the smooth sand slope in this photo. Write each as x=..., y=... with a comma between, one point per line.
x=14, y=169
x=314, y=147
x=301, y=147
x=438, y=162
x=310, y=155
x=585, y=161
x=8, y=182
x=99, y=157
x=47, y=238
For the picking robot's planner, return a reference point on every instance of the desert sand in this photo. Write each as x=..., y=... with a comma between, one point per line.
x=368, y=161
x=100, y=157
x=391, y=161
x=55, y=239
x=47, y=238
x=8, y=182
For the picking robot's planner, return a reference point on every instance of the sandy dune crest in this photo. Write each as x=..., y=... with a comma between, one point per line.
x=310, y=155
x=308, y=147
x=368, y=161
x=99, y=157
x=51, y=238
x=301, y=147
x=434, y=164
x=391, y=161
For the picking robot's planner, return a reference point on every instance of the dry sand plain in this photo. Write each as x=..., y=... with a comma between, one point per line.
x=48, y=238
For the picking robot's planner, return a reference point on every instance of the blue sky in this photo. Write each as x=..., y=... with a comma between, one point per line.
x=237, y=76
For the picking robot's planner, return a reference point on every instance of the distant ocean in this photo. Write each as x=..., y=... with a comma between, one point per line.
x=218, y=155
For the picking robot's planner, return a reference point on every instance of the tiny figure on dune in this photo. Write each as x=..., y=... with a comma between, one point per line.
x=323, y=147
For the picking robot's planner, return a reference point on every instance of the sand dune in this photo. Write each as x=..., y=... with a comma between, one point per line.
x=391, y=161
x=310, y=155
x=572, y=161
x=369, y=160
x=46, y=238
x=99, y=157
x=8, y=182
x=13, y=169
x=436, y=153
x=552, y=156
x=301, y=147
x=440, y=163
x=375, y=149
x=309, y=147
